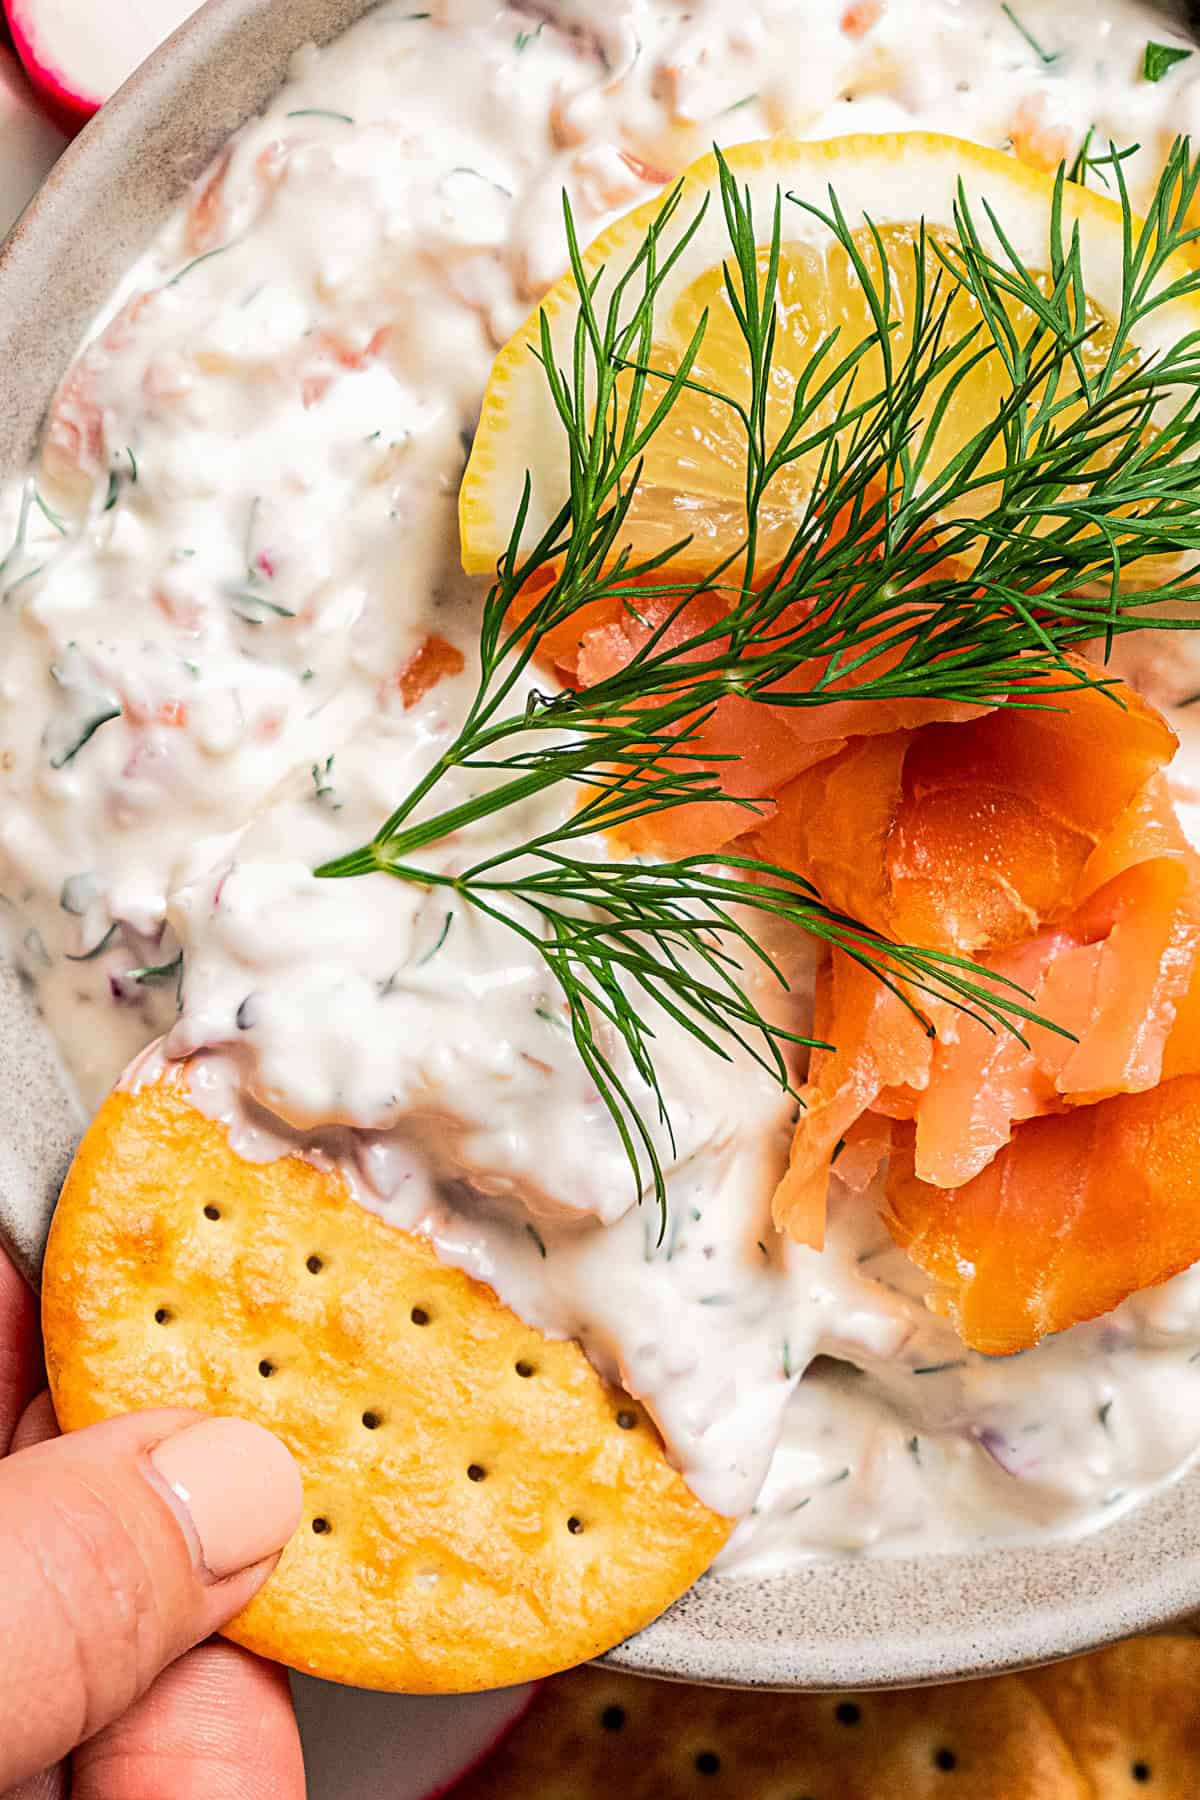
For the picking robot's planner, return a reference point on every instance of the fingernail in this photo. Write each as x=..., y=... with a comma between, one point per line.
x=235, y=1489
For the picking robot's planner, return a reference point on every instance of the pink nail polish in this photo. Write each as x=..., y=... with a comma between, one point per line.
x=235, y=1488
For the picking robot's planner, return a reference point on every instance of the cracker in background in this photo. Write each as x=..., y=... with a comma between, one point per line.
x=1131, y=1716
x=593, y=1735
x=480, y=1508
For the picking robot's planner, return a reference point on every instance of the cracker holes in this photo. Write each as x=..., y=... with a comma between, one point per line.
x=945, y=1760
x=1140, y=1772
x=574, y=1525
x=266, y=1368
x=612, y=1718
x=419, y=1315
x=476, y=1472
x=707, y=1762
x=321, y=1525
x=847, y=1712
x=163, y=1315
x=371, y=1420
x=524, y=1369
x=627, y=1420
x=314, y=1263
x=211, y=1211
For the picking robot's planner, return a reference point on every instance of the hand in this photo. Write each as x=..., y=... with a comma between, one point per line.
x=121, y=1549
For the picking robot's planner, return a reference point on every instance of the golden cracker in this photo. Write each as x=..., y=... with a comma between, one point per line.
x=480, y=1507
x=1131, y=1716
x=592, y=1735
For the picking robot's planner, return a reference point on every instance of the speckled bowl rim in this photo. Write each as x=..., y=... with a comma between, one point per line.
x=884, y=1621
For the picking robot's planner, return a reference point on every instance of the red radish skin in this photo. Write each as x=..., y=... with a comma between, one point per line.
x=77, y=53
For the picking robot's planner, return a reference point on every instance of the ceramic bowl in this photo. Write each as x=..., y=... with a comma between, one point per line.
x=860, y=1623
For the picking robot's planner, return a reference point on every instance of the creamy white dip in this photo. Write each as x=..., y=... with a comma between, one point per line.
x=242, y=531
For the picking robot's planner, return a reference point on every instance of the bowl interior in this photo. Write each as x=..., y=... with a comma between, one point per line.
x=866, y=1622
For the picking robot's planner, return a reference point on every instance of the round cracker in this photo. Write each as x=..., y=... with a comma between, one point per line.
x=480, y=1507
x=593, y=1735
x=1131, y=1716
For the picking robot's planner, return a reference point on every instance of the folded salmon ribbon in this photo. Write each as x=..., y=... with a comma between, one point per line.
x=1037, y=1182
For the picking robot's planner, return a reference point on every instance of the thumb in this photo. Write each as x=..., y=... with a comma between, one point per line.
x=121, y=1546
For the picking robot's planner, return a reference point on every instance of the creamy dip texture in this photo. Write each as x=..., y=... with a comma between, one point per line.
x=241, y=533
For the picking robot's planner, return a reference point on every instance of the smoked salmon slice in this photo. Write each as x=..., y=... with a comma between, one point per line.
x=748, y=748
x=1119, y=995
x=1038, y=837
x=752, y=748
x=1118, y=975
x=1182, y=1054
x=877, y=1043
x=1080, y=1210
x=981, y=1081
x=968, y=836
x=425, y=667
x=1113, y=976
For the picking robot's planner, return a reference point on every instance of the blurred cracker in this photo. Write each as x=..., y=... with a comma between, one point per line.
x=481, y=1508
x=1131, y=1716
x=593, y=1735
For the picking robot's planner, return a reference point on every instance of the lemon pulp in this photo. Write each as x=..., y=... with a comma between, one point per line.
x=693, y=483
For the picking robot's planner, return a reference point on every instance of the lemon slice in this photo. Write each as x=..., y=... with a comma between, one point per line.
x=888, y=188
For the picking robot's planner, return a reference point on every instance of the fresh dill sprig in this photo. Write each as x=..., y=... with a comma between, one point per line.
x=1049, y=57
x=1159, y=58
x=16, y=549
x=51, y=517
x=617, y=936
x=320, y=112
x=205, y=256
x=155, y=972
x=1087, y=163
x=97, y=949
x=1082, y=473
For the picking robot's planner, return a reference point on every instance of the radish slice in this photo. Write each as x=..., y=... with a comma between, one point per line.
x=78, y=52
x=29, y=144
x=363, y=1746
